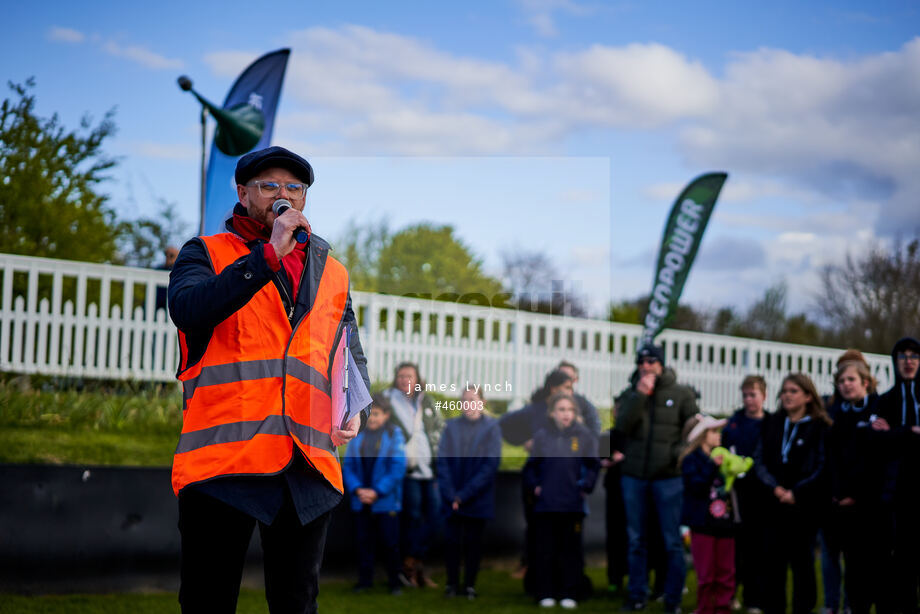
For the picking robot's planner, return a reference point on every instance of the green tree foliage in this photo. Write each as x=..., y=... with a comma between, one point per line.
x=422, y=260
x=49, y=204
x=142, y=242
x=359, y=250
x=430, y=262
x=767, y=318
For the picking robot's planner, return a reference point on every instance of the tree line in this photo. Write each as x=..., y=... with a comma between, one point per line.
x=51, y=205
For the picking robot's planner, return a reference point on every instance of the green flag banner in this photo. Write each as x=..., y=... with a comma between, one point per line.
x=679, y=244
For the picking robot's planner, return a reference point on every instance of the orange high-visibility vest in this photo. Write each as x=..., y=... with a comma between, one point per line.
x=261, y=387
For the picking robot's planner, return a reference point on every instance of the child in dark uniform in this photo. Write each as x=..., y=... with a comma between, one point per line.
x=468, y=457
x=373, y=469
x=561, y=472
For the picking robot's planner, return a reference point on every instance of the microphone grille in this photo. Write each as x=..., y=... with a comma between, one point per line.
x=280, y=206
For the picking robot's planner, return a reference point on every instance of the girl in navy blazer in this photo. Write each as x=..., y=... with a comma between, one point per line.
x=468, y=458
x=373, y=470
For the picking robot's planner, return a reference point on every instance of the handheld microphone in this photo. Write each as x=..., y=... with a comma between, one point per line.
x=280, y=206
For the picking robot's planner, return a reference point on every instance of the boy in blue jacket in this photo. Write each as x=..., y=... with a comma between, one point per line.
x=561, y=472
x=468, y=458
x=374, y=465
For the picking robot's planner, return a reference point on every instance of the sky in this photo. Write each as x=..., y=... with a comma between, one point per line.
x=561, y=126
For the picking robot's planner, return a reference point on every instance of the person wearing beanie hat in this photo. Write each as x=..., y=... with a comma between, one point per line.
x=258, y=315
x=652, y=414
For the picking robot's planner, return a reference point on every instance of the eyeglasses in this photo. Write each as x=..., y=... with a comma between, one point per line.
x=909, y=357
x=272, y=188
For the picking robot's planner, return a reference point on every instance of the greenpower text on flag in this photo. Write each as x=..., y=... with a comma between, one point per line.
x=679, y=244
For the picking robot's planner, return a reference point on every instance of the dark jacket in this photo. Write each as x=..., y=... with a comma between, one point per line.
x=707, y=507
x=804, y=470
x=742, y=433
x=387, y=475
x=468, y=459
x=900, y=407
x=521, y=425
x=564, y=464
x=653, y=426
x=854, y=462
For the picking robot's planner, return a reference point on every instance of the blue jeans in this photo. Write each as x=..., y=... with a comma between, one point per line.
x=420, y=516
x=667, y=497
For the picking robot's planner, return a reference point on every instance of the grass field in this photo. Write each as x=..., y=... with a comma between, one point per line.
x=123, y=425
x=499, y=594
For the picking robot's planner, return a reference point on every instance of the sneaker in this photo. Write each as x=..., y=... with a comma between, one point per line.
x=548, y=602
x=357, y=589
x=396, y=592
x=471, y=593
x=633, y=606
x=753, y=610
x=568, y=604
x=736, y=604
x=450, y=590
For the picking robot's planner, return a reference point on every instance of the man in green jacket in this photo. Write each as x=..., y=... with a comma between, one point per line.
x=652, y=415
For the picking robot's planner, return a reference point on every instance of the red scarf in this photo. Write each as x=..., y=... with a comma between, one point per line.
x=251, y=230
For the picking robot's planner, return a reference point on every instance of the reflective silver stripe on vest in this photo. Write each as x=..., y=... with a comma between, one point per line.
x=233, y=431
x=310, y=436
x=305, y=373
x=231, y=372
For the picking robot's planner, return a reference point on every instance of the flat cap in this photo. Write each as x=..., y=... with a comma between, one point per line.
x=255, y=162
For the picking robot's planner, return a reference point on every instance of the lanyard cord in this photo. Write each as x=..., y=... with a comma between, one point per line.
x=788, y=437
x=904, y=405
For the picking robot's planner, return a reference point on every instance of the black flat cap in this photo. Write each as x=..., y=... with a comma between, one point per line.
x=255, y=162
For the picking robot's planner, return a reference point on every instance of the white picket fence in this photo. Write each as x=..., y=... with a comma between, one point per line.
x=81, y=320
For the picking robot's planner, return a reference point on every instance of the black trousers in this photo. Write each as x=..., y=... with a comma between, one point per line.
x=463, y=539
x=751, y=545
x=792, y=534
x=557, y=554
x=373, y=531
x=215, y=537
x=615, y=520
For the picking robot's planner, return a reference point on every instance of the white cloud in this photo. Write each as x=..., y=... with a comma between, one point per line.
x=539, y=14
x=636, y=85
x=787, y=127
x=847, y=129
x=142, y=56
x=65, y=35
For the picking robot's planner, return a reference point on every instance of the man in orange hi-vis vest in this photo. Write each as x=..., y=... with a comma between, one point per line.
x=260, y=309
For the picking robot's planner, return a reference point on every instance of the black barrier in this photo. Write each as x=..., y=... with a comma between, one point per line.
x=114, y=528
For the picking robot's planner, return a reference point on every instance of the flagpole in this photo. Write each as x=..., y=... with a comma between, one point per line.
x=204, y=125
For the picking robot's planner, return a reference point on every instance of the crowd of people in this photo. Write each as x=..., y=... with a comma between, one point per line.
x=759, y=490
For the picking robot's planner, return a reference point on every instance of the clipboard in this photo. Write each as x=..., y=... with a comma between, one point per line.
x=349, y=393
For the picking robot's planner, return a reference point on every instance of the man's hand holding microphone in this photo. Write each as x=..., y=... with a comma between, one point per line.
x=289, y=228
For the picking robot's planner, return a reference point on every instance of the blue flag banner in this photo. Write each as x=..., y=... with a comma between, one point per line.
x=259, y=87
